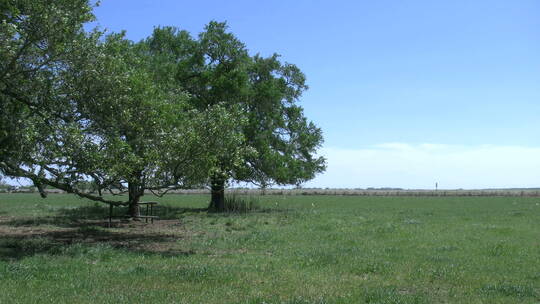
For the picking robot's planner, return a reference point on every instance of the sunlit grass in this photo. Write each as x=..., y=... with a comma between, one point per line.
x=293, y=249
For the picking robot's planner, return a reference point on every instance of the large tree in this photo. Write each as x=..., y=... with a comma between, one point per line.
x=83, y=108
x=216, y=69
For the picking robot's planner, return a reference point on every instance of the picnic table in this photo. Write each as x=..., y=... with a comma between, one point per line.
x=149, y=214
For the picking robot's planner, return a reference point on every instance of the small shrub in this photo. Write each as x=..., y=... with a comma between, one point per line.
x=237, y=204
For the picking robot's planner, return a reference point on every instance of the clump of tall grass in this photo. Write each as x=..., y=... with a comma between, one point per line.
x=235, y=203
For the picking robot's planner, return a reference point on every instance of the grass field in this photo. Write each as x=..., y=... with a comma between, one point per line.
x=296, y=249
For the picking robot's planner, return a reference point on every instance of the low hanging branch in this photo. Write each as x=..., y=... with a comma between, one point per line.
x=39, y=181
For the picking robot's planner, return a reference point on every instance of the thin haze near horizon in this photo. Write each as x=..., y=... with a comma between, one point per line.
x=408, y=93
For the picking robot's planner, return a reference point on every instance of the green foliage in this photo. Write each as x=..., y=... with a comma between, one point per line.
x=82, y=107
x=88, y=113
x=91, y=114
x=216, y=69
x=36, y=39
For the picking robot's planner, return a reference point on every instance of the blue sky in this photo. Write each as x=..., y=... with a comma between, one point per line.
x=390, y=80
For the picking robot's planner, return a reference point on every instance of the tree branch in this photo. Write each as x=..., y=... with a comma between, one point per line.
x=39, y=180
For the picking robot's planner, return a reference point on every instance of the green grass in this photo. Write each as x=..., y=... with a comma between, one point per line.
x=294, y=249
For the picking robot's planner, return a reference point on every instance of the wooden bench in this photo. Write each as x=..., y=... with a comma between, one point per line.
x=148, y=215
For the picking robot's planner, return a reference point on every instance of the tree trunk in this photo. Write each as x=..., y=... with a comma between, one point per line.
x=217, y=202
x=134, y=197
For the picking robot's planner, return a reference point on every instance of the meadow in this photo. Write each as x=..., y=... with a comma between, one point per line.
x=294, y=249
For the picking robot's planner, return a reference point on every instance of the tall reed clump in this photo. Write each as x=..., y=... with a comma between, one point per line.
x=235, y=203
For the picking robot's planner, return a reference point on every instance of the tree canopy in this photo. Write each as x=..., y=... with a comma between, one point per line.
x=97, y=113
x=36, y=38
x=216, y=68
x=167, y=112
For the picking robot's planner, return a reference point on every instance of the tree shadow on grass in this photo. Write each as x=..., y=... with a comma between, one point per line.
x=87, y=226
x=96, y=215
x=21, y=244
